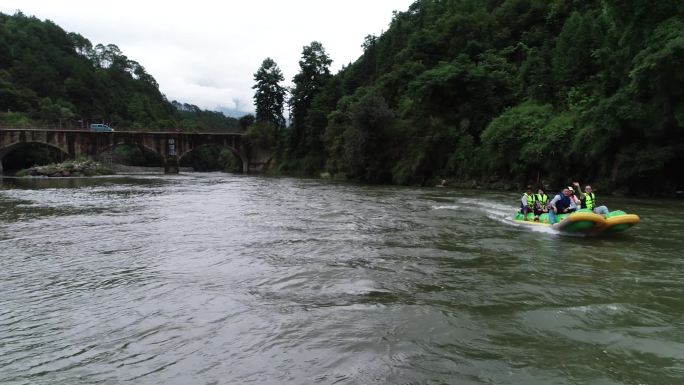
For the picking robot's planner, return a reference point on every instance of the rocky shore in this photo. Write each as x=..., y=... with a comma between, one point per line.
x=70, y=168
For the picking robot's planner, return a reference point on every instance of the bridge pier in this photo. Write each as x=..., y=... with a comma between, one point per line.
x=171, y=165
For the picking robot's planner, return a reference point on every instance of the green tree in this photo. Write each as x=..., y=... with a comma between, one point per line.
x=359, y=138
x=269, y=95
x=573, y=58
x=246, y=121
x=314, y=72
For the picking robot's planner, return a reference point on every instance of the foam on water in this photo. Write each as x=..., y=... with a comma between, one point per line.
x=447, y=207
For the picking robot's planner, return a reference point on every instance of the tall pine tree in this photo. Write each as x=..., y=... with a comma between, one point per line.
x=269, y=96
x=314, y=72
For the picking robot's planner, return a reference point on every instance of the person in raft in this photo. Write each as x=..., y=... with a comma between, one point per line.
x=575, y=202
x=560, y=204
x=527, y=203
x=541, y=204
x=588, y=200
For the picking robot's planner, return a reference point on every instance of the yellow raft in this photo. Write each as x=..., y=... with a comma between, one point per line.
x=584, y=222
x=618, y=221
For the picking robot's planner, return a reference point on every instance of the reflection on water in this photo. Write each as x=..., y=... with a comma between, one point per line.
x=220, y=279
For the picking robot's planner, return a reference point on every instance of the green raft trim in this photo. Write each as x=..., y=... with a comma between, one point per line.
x=619, y=221
x=590, y=223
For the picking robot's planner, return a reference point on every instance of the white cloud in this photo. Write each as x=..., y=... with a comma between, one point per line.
x=205, y=52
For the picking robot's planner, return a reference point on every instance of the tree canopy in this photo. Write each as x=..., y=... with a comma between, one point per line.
x=525, y=91
x=522, y=91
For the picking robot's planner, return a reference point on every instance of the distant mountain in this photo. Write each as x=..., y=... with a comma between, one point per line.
x=54, y=78
x=232, y=112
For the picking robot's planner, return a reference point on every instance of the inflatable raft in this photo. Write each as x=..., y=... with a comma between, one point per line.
x=584, y=221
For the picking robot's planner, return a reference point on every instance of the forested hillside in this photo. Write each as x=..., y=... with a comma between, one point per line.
x=520, y=91
x=477, y=92
x=49, y=77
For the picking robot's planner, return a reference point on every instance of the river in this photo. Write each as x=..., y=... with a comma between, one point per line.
x=213, y=278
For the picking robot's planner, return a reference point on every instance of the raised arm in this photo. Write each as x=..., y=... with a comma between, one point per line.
x=578, y=188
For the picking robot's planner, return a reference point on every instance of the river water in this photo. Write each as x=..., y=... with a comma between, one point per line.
x=220, y=279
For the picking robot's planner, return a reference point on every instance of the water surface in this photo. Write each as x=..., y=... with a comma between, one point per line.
x=221, y=279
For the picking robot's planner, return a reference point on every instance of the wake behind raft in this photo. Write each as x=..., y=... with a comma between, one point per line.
x=584, y=221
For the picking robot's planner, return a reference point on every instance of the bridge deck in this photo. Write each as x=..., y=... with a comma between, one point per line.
x=124, y=131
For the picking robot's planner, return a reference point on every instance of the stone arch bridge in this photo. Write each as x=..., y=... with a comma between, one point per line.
x=170, y=146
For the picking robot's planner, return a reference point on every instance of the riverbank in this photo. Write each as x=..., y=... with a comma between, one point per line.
x=86, y=168
x=69, y=168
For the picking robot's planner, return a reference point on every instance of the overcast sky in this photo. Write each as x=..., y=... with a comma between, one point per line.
x=206, y=52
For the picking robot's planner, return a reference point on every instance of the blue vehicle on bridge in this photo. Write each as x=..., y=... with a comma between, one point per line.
x=98, y=127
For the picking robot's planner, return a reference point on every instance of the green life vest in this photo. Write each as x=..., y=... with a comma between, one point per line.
x=530, y=200
x=542, y=198
x=589, y=200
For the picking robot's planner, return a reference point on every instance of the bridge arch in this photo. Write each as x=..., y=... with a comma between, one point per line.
x=11, y=147
x=243, y=159
x=169, y=145
x=6, y=149
x=143, y=146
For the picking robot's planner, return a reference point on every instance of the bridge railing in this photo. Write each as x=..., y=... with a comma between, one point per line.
x=36, y=127
x=117, y=129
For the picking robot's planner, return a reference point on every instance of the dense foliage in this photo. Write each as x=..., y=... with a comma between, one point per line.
x=314, y=73
x=52, y=78
x=522, y=91
x=478, y=92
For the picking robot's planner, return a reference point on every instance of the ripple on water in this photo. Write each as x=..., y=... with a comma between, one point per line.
x=218, y=279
